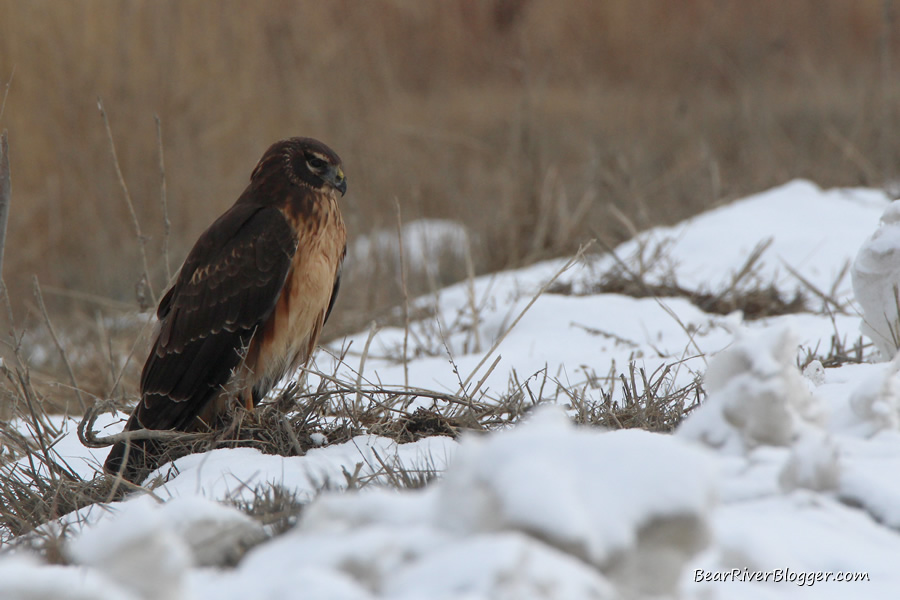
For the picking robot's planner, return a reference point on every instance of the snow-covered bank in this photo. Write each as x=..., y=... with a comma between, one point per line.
x=779, y=482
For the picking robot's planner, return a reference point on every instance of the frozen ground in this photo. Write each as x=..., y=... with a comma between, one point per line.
x=780, y=485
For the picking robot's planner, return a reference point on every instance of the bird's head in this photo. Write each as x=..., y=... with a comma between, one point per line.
x=306, y=162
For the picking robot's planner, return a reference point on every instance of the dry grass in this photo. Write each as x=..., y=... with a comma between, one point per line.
x=37, y=485
x=528, y=120
x=650, y=273
x=652, y=403
x=277, y=508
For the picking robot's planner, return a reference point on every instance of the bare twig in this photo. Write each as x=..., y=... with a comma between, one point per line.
x=486, y=375
x=291, y=434
x=852, y=153
x=118, y=378
x=643, y=284
x=62, y=353
x=886, y=125
x=101, y=301
x=405, y=295
x=748, y=267
x=531, y=302
x=142, y=241
x=167, y=225
x=845, y=268
x=5, y=192
x=5, y=199
x=368, y=392
x=812, y=288
x=470, y=296
x=89, y=438
x=373, y=329
x=6, y=92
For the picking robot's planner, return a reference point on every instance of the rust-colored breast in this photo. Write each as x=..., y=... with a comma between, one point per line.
x=290, y=335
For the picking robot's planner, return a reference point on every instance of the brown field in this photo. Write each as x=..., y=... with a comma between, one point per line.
x=537, y=123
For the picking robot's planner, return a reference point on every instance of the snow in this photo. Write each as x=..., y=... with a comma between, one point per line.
x=781, y=477
x=429, y=247
x=235, y=473
x=423, y=241
x=800, y=220
x=876, y=277
x=25, y=579
x=141, y=538
x=554, y=481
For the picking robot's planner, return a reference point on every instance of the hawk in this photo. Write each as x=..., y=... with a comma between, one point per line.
x=249, y=302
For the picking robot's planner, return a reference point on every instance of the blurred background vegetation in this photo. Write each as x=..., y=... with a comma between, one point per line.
x=536, y=123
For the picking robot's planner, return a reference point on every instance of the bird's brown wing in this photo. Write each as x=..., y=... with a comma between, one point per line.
x=227, y=288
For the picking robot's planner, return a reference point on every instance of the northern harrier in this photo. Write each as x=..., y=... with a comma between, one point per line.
x=250, y=301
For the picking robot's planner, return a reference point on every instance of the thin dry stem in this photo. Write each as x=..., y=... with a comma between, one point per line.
x=89, y=438
x=62, y=353
x=163, y=198
x=540, y=292
x=6, y=91
x=373, y=329
x=470, y=296
x=852, y=153
x=405, y=294
x=142, y=241
x=5, y=200
x=99, y=301
x=828, y=300
x=486, y=375
x=640, y=281
x=5, y=192
x=118, y=378
x=888, y=102
x=748, y=266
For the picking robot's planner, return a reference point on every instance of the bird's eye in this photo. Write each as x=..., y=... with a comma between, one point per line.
x=316, y=163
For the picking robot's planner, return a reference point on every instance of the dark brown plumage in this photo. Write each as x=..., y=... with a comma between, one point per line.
x=250, y=301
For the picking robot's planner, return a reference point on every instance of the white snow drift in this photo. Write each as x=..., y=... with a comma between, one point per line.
x=779, y=482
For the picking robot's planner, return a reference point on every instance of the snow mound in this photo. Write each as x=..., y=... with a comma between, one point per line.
x=877, y=399
x=797, y=220
x=543, y=491
x=876, y=281
x=814, y=464
x=235, y=473
x=122, y=548
x=756, y=395
x=527, y=570
x=26, y=579
x=774, y=492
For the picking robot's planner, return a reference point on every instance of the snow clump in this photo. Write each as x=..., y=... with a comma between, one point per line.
x=876, y=280
x=757, y=396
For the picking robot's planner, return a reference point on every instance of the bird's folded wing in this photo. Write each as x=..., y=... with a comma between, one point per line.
x=227, y=288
